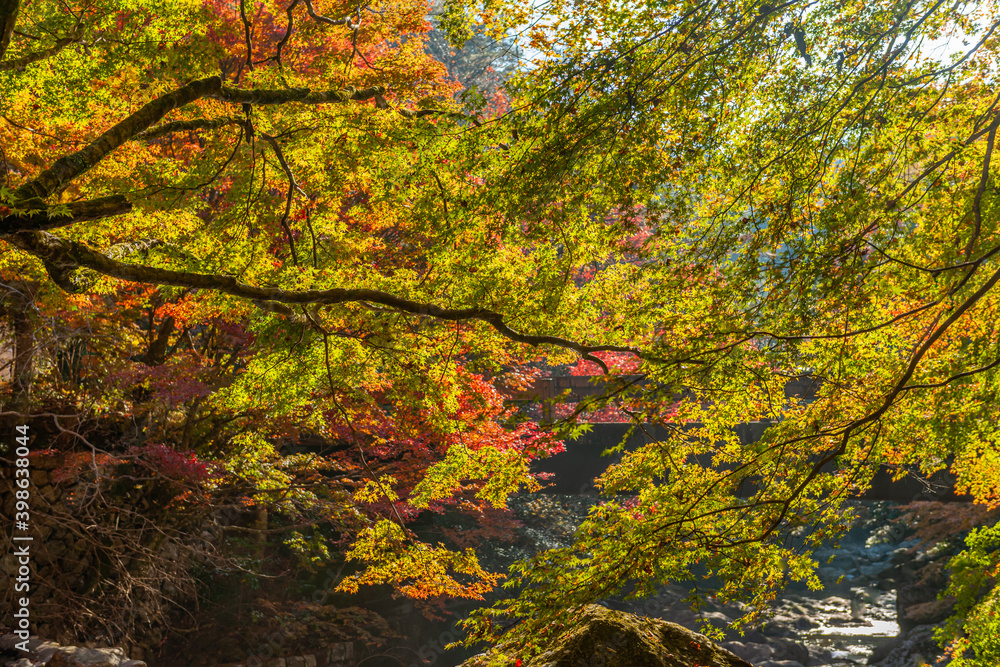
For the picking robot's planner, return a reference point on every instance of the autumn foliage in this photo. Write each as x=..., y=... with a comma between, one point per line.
x=280, y=253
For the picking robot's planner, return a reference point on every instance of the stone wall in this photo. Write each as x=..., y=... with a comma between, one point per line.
x=113, y=568
x=59, y=567
x=104, y=567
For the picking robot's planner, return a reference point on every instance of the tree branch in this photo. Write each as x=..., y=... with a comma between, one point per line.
x=288, y=33
x=420, y=113
x=8, y=19
x=890, y=399
x=19, y=64
x=325, y=19
x=977, y=202
x=93, y=209
x=247, y=31
x=972, y=138
x=69, y=167
x=292, y=188
x=62, y=257
x=299, y=95
x=186, y=126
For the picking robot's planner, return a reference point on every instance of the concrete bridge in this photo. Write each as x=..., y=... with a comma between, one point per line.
x=576, y=468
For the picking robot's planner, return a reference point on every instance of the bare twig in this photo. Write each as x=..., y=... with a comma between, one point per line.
x=977, y=211
x=293, y=187
x=247, y=35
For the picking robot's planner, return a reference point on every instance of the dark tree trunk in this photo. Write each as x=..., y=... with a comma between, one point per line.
x=8, y=17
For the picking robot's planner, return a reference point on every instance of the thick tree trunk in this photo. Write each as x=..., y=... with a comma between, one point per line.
x=8, y=17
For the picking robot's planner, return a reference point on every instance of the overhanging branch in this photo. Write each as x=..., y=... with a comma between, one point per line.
x=64, y=257
x=70, y=166
x=298, y=95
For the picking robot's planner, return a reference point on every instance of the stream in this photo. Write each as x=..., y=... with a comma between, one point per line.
x=839, y=625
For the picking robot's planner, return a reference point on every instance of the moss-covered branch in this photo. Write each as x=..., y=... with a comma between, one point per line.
x=43, y=218
x=71, y=166
x=186, y=126
x=63, y=257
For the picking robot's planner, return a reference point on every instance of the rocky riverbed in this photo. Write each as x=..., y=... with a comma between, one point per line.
x=853, y=620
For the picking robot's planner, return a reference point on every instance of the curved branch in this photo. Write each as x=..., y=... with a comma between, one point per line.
x=292, y=188
x=325, y=19
x=63, y=257
x=956, y=376
x=247, y=30
x=977, y=211
x=971, y=139
x=288, y=33
x=890, y=399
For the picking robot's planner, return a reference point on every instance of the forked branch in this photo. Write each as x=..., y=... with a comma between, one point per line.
x=293, y=187
x=71, y=166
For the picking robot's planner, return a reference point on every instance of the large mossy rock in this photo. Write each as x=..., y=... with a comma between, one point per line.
x=606, y=638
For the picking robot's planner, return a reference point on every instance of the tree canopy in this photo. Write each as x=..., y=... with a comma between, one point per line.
x=282, y=218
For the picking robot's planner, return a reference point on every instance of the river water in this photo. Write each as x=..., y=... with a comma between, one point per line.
x=839, y=625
